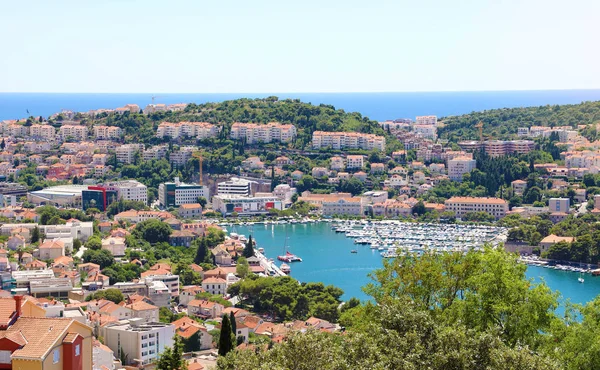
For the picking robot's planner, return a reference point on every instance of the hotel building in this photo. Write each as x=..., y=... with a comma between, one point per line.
x=352, y=140
x=263, y=133
x=462, y=205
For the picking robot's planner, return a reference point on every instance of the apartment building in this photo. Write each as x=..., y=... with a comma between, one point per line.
x=138, y=216
x=174, y=194
x=155, y=152
x=45, y=131
x=426, y=120
x=126, y=153
x=129, y=190
x=497, y=148
x=351, y=140
x=183, y=155
x=562, y=205
x=235, y=186
x=263, y=133
x=355, y=162
x=78, y=132
x=199, y=130
x=140, y=343
x=458, y=166
x=426, y=131
x=462, y=205
x=107, y=132
x=170, y=280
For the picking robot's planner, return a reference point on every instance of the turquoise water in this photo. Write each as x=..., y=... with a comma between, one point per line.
x=327, y=258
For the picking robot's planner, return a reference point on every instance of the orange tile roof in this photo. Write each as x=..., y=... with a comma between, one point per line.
x=41, y=335
x=141, y=306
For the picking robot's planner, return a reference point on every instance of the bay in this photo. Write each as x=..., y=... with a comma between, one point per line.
x=326, y=258
x=377, y=106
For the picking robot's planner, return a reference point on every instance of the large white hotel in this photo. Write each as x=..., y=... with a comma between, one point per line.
x=263, y=133
x=352, y=140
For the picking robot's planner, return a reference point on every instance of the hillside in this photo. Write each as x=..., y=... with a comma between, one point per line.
x=306, y=117
x=503, y=123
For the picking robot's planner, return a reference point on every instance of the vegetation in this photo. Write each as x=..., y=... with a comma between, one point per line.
x=172, y=357
x=445, y=311
x=284, y=299
x=111, y=294
x=503, y=123
x=226, y=339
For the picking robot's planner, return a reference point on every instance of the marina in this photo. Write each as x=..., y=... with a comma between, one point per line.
x=327, y=258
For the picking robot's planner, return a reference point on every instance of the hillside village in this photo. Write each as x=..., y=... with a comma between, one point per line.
x=112, y=247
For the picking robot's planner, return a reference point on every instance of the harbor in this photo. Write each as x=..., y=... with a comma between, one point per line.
x=326, y=257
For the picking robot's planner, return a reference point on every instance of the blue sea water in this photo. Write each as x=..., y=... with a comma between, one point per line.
x=327, y=258
x=378, y=106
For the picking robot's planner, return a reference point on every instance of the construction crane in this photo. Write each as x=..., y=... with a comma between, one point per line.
x=480, y=127
x=198, y=155
x=154, y=97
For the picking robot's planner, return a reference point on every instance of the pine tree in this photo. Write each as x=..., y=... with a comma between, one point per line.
x=233, y=323
x=226, y=338
x=249, y=248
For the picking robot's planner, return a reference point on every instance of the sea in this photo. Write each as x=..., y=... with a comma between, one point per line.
x=377, y=106
x=326, y=258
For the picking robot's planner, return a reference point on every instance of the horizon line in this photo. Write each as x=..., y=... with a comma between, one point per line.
x=303, y=92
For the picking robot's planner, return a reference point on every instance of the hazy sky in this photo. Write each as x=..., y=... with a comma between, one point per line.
x=298, y=46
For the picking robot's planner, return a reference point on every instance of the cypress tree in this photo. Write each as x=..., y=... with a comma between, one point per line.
x=225, y=339
x=249, y=248
x=200, y=252
x=233, y=324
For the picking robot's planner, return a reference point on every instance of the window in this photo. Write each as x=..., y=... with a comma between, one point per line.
x=56, y=356
x=77, y=350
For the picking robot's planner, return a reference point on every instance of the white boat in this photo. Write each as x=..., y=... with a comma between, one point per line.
x=580, y=279
x=285, y=268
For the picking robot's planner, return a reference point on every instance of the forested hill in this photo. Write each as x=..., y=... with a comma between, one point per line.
x=306, y=117
x=503, y=123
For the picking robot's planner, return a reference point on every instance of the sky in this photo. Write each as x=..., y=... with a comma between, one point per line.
x=260, y=46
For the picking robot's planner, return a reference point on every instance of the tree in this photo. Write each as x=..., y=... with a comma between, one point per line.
x=94, y=243
x=101, y=257
x=419, y=208
x=242, y=268
x=202, y=252
x=111, y=294
x=226, y=337
x=153, y=231
x=172, y=357
x=35, y=235
x=249, y=248
x=76, y=245
x=202, y=201
x=233, y=324
x=295, y=197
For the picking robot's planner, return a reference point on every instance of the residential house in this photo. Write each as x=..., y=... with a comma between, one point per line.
x=205, y=309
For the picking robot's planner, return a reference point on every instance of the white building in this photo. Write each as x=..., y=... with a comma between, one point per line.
x=107, y=132
x=78, y=132
x=426, y=120
x=174, y=194
x=559, y=205
x=136, y=340
x=126, y=153
x=72, y=229
x=115, y=245
x=235, y=186
x=462, y=205
x=352, y=140
x=199, y=130
x=284, y=192
x=263, y=133
x=354, y=162
x=458, y=166
x=343, y=206
x=129, y=190
x=426, y=131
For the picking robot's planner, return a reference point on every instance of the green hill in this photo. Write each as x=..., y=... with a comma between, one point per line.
x=306, y=117
x=503, y=123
